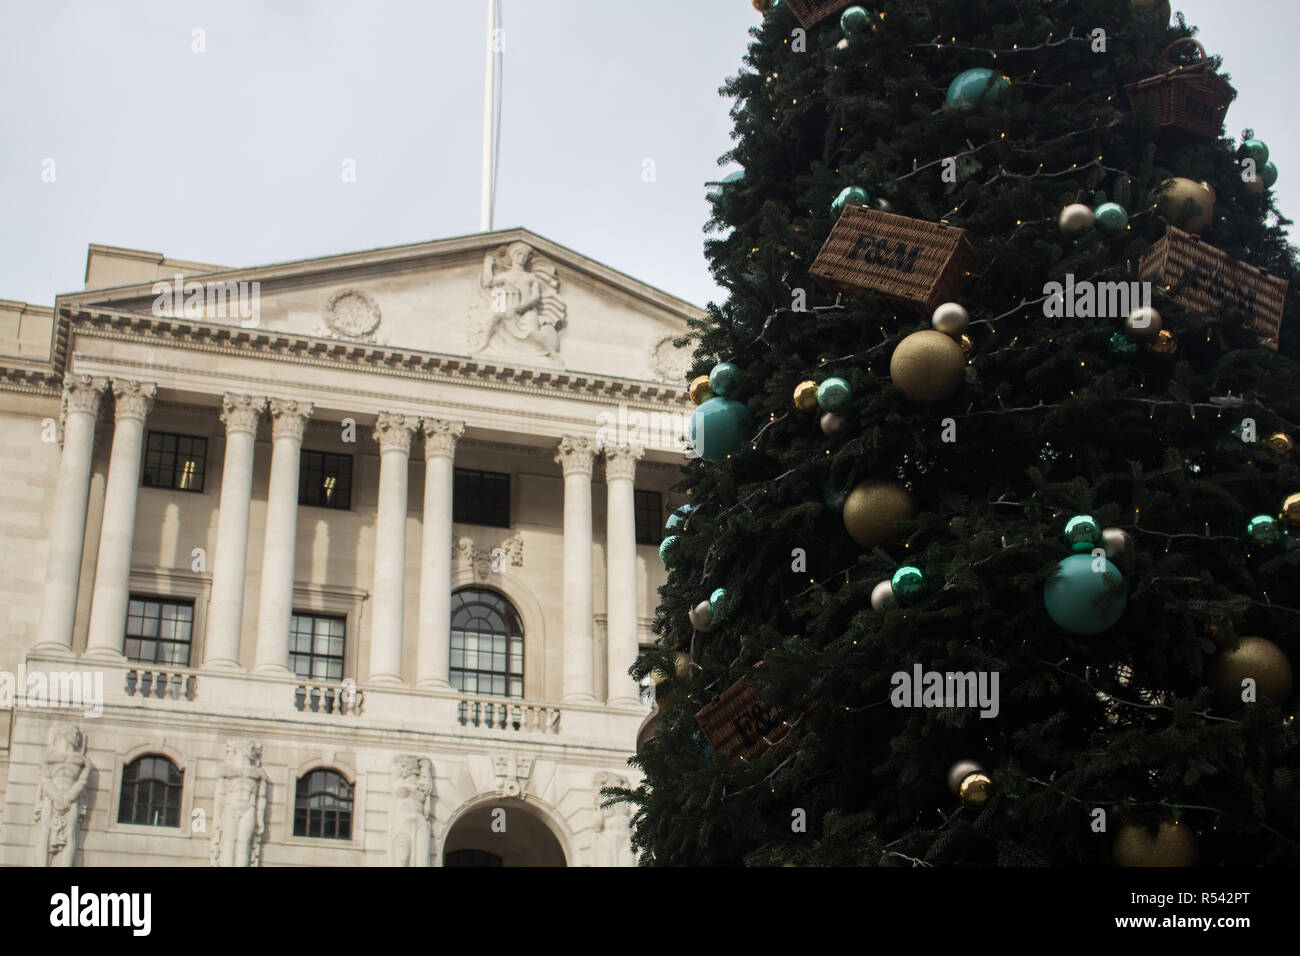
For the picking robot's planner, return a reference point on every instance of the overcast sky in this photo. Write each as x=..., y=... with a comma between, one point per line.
x=235, y=155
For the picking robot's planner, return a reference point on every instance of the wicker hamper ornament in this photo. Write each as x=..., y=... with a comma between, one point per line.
x=1193, y=98
x=740, y=723
x=1204, y=279
x=912, y=261
x=812, y=12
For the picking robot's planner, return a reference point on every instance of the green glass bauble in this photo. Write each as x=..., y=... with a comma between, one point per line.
x=1120, y=345
x=1268, y=175
x=678, y=517
x=665, y=546
x=715, y=599
x=1110, y=218
x=1082, y=533
x=850, y=196
x=834, y=500
x=908, y=584
x=854, y=20
x=1081, y=600
x=834, y=394
x=979, y=86
x=716, y=191
x=723, y=378
x=718, y=427
x=1265, y=532
x=1255, y=149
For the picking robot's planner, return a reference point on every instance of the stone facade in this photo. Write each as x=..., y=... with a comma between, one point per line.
x=500, y=353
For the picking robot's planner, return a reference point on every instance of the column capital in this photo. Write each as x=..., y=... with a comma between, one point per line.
x=576, y=455
x=241, y=413
x=393, y=431
x=133, y=399
x=440, y=437
x=81, y=393
x=289, y=418
x=620, y=460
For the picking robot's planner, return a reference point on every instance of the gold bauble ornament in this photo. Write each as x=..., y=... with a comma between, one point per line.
x=975, y=791
x=967, y=345
x=805, y=396
x=1280, y=443
x=1171, y=200
x=960, y=771
x=928, y=367
x=1164, y=343
x=874, y=508
x=700, y=390
x=682, y=661
x=1257, y=658
x=763, y=6
x=1290, y=513
x=1174, y=844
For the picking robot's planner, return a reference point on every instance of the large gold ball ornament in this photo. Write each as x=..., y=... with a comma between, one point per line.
x=805, y=396
x=1280, y=443
x=1173, y=844
x=1290, y=513
x=1172, y=197
x=928, y=367
x=1163, y=344
x=1257, y=658
x=701, y=392
x=975, y=791
x=873, y=510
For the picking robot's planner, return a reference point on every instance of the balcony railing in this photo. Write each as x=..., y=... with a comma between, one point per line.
x=343, y=698
x=162, y=684
x=507, y=714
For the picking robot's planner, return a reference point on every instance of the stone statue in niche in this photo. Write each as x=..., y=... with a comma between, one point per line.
x=613, y=825
x=59, y=805
x=519, y=310
x=239, y=808
x=412, y=813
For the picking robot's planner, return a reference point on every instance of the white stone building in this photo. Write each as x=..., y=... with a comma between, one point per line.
x=333, y=562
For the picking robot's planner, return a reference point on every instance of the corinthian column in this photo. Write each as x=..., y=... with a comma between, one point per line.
x=117, y=534
x=241, y=414
x=81, y=398
x=275, y=611
x=393, y=432
x=434, y=662
x=620, y=571
x=575, y=456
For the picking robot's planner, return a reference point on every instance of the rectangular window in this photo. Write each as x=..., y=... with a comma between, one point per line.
x=325, y=480
x=175, y=461
x=158, y=631
x=481, y=497
x=316, y=646
x=649, y=517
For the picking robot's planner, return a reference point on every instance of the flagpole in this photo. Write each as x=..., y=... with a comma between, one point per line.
x=485, y=207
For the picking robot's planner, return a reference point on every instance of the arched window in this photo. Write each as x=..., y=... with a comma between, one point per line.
x=487, y=644
x=323, y=806
x=151, y=792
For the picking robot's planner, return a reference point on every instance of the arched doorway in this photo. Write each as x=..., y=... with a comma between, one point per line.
x=505, y=832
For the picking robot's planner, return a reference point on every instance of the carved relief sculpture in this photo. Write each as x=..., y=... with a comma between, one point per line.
x=412, y=813
x=519, y=310
x=59, y=803
x=351, y=315
x=613, y=825
x=239, y=808
x=488, y=561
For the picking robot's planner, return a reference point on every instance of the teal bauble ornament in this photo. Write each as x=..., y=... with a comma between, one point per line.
x=834, y=394
x=833, y=500
x=849, y=196
x=678, y=518
x=979, y=86
x=723, y=378
x=1119, y=344
x=854, y=20
x=715, y=599
x=1268, y=175
x=1082, y=533
x=716, y=191
x=1263, y=531
x=666, y=546
x=908, y=584
x=1081, y=600
x=718, y=428
x=1110, y=218
x=1255, y=149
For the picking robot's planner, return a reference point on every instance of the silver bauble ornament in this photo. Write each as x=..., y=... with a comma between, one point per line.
x=701, y=617
x=1075, y=220
x=1143, y=324
x=882, y=597
x=1118, y=544
x=831, y=423
x=951, y=319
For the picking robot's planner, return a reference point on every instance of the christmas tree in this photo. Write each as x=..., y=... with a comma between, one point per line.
x=984, y=563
